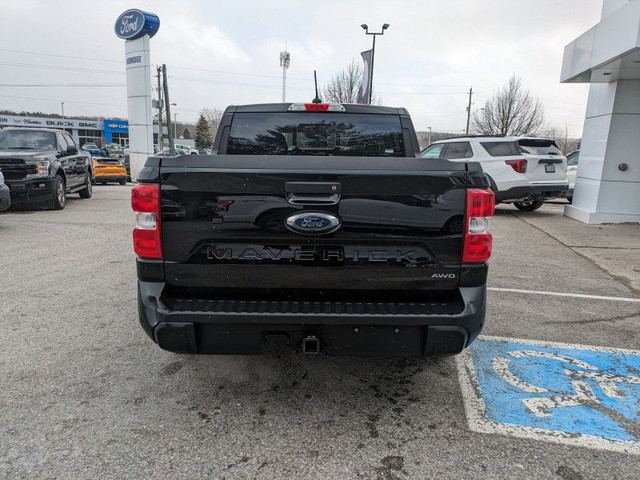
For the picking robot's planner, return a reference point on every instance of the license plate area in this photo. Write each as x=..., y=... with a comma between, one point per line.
x=550, y=168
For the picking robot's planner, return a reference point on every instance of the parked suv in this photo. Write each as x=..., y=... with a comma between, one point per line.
x=524, y=171
x=43, y=165
x=5, y=195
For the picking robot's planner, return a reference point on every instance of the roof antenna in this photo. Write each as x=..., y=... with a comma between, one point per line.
x=315, y=79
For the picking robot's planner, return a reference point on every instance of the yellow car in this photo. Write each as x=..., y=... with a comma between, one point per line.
x=107, y=169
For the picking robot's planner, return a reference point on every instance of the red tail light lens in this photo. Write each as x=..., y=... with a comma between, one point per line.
x=145, y=201
x=477, y=236
x=519, y=166
x=316, y=107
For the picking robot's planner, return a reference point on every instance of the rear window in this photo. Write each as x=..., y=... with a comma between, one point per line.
x=539, y=147
x=501, y=149
x=310, y=133
x=457, y=150
x=530, y=146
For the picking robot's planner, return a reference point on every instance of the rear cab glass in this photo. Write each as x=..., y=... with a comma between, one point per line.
x=311, y=133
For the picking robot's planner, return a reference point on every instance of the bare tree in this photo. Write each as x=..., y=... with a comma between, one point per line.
x=343, y=86
x=565, y=144
x=213, y=117
x=511, y=111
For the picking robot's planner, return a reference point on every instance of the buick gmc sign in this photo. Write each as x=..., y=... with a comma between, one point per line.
x=135, y=23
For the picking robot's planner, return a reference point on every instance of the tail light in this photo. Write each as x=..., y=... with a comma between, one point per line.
x=316, y=107
x=519, y=166
x=477, y=236
x=145, y=201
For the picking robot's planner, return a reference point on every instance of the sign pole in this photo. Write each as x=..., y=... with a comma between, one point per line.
x=136, y=28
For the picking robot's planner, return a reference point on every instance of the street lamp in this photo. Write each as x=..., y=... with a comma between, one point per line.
x=365, y=27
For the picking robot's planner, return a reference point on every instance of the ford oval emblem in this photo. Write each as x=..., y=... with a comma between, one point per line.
x=313, y=223
x=135, y=23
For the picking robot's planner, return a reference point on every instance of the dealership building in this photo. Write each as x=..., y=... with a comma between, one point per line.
x=82, y=131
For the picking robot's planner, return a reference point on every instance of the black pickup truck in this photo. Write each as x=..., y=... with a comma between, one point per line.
x=42, y=166
x=312, y=226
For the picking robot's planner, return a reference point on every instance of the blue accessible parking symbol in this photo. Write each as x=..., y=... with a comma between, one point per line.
x=572, y=394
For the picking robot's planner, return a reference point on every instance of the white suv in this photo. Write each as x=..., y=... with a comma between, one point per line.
x=524, y=171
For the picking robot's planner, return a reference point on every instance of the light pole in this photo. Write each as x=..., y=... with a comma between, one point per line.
x=62, y=105
x=365, y=27
x=429, y=135
x=175, y=125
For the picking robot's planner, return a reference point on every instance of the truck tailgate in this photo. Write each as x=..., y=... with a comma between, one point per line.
x=400, y=224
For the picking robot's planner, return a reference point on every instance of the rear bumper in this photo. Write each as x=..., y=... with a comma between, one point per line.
x=5, y=198
x=30, y=191
x=222, y=326
x=532, y=192
x=109, y=178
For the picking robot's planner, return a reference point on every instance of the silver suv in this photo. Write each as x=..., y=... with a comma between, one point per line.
x=524, y=171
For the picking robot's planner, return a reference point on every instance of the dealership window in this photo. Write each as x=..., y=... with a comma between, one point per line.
x=93, y=136
x=120, y=138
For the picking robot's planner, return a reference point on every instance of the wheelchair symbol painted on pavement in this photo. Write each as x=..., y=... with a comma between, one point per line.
x=586, y=396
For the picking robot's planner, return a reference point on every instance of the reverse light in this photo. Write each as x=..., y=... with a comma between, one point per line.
x=477, y=234
x=145, y=201
x=519, y=166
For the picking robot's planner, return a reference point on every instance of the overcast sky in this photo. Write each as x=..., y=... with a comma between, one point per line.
x=225, y=52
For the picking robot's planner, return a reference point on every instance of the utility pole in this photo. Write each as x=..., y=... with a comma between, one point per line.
x=429, y=135
x=373, y=53
x=168, y=109
x=469, y=110
x=62, y=105
x=160, y=134
x=285, y=61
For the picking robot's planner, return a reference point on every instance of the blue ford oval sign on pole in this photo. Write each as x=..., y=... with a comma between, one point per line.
x=136, y=23
x=136, y=28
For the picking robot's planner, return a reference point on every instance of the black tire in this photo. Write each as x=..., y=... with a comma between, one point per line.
x=528, y=205
x=59, y=194
x=570, y=199
x=123, y=182
x=87, y=191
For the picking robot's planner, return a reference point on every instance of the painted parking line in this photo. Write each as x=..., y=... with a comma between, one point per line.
x=572, y=394
x=562, y=294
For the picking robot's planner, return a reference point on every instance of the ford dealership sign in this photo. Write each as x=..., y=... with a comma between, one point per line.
x=136, y=23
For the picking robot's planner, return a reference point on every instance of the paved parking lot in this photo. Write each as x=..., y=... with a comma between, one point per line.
x=85, y=394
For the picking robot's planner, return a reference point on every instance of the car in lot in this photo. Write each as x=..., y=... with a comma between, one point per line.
x=43, y=166
x=92, y=150
x=186, y=149
x=524, y=171
x=315, y=227
x=5, y=195
x=125, y=160
x=108, y=169
x=572, y=170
